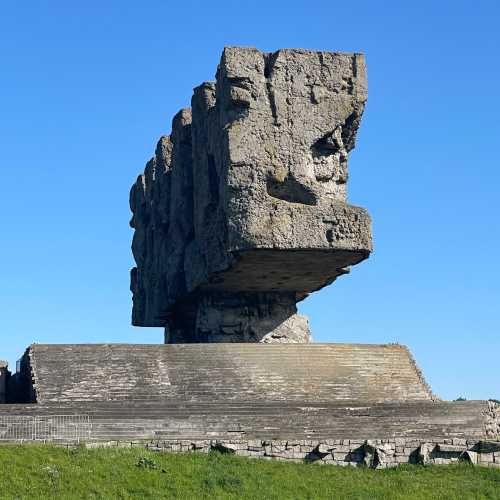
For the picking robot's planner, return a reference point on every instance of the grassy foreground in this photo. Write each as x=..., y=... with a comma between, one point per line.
x=39, y=472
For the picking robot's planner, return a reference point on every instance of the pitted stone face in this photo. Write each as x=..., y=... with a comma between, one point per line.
x=293, y=117
x=248, y=195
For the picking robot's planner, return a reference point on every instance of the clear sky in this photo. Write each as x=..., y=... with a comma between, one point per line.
x=87, y=88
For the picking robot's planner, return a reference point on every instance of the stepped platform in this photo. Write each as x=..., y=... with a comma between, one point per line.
x=338, y=403
x=181, y=420
x=207, y=373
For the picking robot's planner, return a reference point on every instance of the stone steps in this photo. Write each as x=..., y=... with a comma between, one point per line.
x=225, y=372
x=132, y=420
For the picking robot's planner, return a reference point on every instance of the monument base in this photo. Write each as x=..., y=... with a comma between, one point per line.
x=224, y=317
x=338, y=403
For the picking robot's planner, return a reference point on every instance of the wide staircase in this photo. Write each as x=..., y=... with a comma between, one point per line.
x=236, y=391
x=171, y=420
x=226, y=372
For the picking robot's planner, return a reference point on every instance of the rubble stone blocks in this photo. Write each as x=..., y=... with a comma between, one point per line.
x=353, y=454
x=242, y=210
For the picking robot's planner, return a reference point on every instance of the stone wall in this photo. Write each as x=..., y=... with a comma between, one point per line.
x=374, y=453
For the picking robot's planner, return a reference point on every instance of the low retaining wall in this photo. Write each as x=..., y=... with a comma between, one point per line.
x=381, y=453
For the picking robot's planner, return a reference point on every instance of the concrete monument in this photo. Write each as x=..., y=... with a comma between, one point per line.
x=242, y=211
x=240, y=214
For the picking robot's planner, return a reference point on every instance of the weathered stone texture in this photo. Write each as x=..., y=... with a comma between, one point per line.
x=245, y=202
x=492, y=415
x=373, y=453
x=251, y=373
x=449, y=423
x=342, y=404
x=419, y=433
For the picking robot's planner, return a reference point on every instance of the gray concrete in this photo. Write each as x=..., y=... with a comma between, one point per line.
x=340, y=404
x=452, y=427
x=242, y=210
x=248, y=373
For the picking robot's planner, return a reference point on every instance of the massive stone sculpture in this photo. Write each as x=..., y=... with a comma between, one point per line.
x=242, y=211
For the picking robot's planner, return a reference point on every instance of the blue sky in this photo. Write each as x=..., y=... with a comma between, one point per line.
x=86, y=89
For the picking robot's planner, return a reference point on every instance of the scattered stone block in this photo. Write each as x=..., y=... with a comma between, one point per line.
x=449, y=448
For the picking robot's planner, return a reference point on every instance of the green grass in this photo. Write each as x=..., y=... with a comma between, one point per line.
x=36, y=472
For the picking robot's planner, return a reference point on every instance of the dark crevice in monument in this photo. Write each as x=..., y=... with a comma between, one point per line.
x=291, y=190
x=213, y=196
x=348, y=85
x=326, y=145
x=354, y=65
x=267, y=64
x=269, y=60
x=239, y=81
x=349, y=129
x=213, y=180
x=181, y=324
x=243, y=83
x=330, y=144
x=240, y=97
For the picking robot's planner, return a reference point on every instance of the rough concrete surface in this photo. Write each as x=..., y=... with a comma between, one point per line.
x=242, y=210
x=206, y=373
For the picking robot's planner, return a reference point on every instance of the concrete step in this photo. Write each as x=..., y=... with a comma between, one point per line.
x=119, y=420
